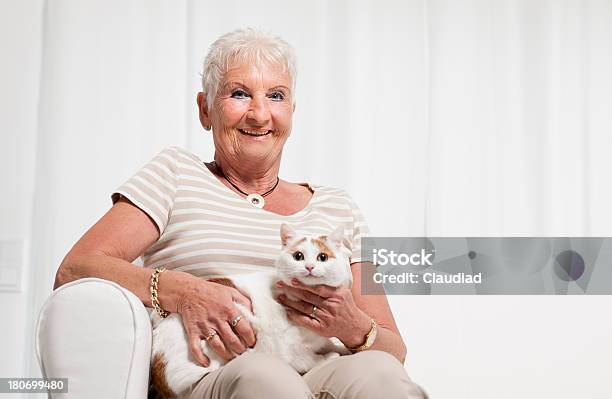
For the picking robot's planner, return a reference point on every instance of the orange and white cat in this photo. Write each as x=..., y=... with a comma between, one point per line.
x=312, y=260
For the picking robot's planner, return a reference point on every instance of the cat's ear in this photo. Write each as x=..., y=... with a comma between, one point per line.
x=287, y=234
x=336, y=237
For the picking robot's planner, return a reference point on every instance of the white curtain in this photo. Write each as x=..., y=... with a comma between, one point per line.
x=440, y=117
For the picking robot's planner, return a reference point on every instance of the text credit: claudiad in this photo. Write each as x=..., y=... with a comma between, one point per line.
x=423, y=258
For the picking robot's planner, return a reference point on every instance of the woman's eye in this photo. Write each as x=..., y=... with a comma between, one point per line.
x=277, y=96
x=322, y=257
x=239, y=94
x=298, y=256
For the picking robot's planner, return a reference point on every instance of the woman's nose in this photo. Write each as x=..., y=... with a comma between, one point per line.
x=259, y=113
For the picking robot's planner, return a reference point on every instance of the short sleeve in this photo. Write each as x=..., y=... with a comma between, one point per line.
x=360, y=230
x=153, y=187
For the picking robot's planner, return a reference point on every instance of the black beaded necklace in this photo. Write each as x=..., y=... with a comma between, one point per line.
x=254, y=198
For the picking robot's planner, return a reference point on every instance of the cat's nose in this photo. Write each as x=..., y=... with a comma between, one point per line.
x=309, y=267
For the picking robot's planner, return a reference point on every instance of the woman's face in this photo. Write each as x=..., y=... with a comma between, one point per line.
x=252, y=112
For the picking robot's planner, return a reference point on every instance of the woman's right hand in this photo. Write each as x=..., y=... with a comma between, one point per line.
x=206, y=307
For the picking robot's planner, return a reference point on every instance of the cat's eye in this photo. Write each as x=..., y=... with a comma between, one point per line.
x=322, y=257
x=298, y=256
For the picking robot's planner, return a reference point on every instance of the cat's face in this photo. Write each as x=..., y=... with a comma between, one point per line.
x=313, y=260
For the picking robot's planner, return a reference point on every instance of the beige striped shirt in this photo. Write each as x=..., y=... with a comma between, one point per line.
x=208, y=230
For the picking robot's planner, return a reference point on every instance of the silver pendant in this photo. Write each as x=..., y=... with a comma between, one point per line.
x=256, y=199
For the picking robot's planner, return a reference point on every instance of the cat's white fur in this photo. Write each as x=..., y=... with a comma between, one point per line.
x=299, y=347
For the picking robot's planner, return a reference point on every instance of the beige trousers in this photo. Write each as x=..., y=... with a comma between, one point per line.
x=366, y=375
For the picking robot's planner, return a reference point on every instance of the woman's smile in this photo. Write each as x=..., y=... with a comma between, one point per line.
x=255, y=133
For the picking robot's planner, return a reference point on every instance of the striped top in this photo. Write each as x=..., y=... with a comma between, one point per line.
x=208, y=230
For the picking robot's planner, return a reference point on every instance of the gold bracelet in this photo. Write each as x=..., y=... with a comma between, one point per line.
x=154, y=297
x=369, y=338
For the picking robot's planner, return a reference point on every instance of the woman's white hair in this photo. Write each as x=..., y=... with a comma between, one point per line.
x=245, y=45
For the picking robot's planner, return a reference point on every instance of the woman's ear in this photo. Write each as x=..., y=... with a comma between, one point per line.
x=203, y=111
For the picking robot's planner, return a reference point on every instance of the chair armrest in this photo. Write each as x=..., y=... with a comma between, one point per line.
x=98, y=335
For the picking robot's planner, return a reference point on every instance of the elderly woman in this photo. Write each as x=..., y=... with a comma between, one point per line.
x=200, y=220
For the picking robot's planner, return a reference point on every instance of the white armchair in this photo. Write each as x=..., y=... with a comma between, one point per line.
x=98, y=335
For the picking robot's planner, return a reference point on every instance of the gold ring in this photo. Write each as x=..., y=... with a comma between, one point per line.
x=210, y=335
x=312, y=314
x=235, y=320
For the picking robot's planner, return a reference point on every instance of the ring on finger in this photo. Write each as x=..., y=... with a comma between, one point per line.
x=312, y=314
x=210, y=335
x=234, y=322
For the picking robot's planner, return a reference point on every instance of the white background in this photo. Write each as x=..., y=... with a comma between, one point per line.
x=445, y=118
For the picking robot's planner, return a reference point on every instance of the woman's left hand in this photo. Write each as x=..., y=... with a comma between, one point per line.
x=328, y=311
